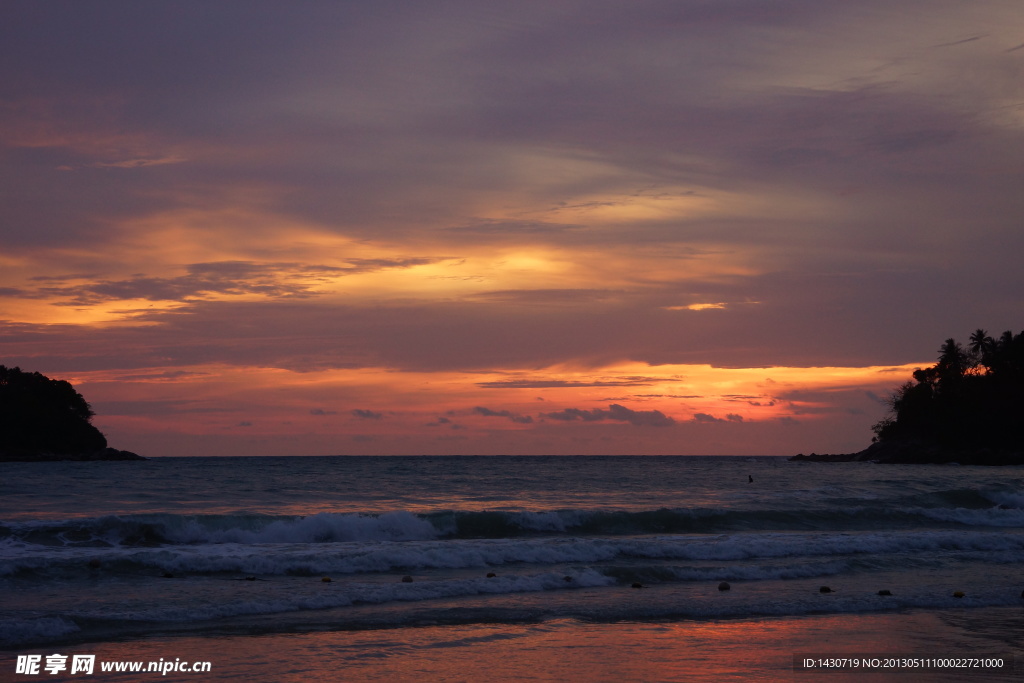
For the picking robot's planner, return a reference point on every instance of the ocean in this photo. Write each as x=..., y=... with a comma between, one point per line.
x=506, y=568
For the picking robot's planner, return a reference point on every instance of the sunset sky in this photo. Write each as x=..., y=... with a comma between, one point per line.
x=569, y=226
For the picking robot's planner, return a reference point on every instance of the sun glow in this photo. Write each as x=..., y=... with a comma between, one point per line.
x=624, y=401
x=698, y=307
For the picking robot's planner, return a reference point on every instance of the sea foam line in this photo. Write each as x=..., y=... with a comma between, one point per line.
x=385, y=556
x=327, y=527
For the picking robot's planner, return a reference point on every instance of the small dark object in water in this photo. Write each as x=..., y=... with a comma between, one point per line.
x=750, y=478
x=637, y=584
x=1022, y=594
x=326, y=579
x=250, y=578
x=167, y=575
x=94, y=563
x=724, y=586
x=568, y=579
x=824, y=589
x=884, y=592
x=491, y=575
x=958, y=594
x=406, y=579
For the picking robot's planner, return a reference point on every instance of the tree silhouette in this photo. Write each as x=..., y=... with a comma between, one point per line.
x=982, y=346
x=970, y=399
x=41, y=415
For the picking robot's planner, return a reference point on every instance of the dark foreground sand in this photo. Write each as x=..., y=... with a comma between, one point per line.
x=568, y=650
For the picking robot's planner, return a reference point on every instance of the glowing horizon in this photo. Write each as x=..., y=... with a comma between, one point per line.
x=677, y=408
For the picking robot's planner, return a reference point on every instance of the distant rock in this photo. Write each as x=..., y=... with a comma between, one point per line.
x=920, y=452
x=43, y=419
x=104, y=454
x=964, y=410
x=825, y=457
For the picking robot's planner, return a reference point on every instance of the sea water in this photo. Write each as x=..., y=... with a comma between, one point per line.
x=94, y=552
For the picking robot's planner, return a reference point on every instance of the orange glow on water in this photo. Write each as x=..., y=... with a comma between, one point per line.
x=561, y=650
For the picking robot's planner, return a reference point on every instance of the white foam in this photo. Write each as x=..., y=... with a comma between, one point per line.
x=385, y=556
x=759, y=573
x=1009, y=499
x=282, y=597
x=997, y=516
x=540, y=521
x=319, y=528
x=16, y=631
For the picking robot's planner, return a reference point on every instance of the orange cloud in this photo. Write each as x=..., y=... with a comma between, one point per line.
x=400, y=409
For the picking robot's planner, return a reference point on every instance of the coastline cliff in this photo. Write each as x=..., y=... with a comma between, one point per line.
x=968, y=409
x=43, y=419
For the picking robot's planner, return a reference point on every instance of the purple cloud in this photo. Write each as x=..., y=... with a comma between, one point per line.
x=615, y=412
x=487, y=412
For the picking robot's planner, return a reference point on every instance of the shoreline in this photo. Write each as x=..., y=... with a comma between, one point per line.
x=570, y=649
x=918, y=452
x=89, y=456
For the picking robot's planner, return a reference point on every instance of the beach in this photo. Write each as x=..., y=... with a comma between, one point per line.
x=510, y=568
x=570, y=650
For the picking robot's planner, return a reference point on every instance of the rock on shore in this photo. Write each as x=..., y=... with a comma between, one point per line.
x=918, y=452
x=102, y=454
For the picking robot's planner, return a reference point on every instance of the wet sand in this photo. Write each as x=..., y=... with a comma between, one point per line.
x=569, y=650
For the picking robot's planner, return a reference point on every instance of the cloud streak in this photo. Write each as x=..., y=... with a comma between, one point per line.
x=614, y=412
x=518, y=419
x=270, y=280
